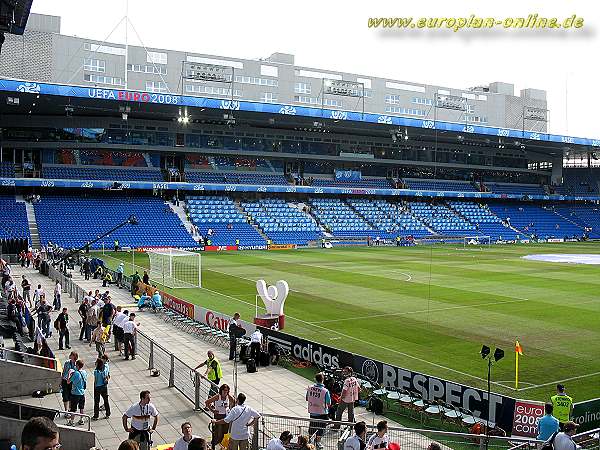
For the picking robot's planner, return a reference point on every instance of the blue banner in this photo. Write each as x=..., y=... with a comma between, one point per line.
x=348, y=175
x=274, y=108
x=225, y=188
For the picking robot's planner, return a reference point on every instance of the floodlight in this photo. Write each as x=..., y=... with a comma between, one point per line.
x=498, y=354
x=485, y=351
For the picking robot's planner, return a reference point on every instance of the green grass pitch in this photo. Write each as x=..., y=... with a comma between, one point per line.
x=430, y=308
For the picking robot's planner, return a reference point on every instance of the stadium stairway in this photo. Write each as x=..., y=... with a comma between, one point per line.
x=360, y=214
x=34, y=235
x=180, y=212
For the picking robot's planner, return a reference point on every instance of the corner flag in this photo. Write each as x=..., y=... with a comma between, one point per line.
x=518, y=351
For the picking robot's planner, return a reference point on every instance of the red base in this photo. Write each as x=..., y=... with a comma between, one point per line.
x=267, y=321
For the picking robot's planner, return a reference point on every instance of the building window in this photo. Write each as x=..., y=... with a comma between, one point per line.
x=391, y=99
x=405, y=111
x=155, y=69
x=94, y=65
x=212, y=90
x=302, y=88
x=156, y=57
x=268, y=97
x=422, y=101
x=256, y=80
x=101, y=79
x=475, y=119
x=119, y=51
x=156, y=86
x=317, y=101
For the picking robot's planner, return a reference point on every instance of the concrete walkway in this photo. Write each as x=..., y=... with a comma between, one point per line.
x=272, y=390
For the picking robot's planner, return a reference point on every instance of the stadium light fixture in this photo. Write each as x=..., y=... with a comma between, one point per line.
x=486, y=354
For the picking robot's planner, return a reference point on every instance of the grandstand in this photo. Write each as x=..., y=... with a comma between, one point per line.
x=283, y=222
x=102, y=173
x=222, y=222
x=339, y=218
x=14, y=218
x=89, y=216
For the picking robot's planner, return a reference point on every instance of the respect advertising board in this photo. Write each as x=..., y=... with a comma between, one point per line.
x=587, y=415
x=500, y=411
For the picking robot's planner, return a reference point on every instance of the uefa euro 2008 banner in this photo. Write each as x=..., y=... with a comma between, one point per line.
x=501, y=408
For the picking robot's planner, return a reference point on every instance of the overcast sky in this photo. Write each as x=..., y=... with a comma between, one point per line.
x=333, y=34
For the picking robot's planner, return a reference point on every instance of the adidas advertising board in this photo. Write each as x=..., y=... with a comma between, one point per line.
x=313, y=352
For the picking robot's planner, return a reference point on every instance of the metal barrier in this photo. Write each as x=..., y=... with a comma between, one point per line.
x=588, y=439
x=28, y=358
x=194, y=386
x=335, y=434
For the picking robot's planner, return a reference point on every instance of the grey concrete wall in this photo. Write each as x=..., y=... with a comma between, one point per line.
x=71, y=438
x=23, y=379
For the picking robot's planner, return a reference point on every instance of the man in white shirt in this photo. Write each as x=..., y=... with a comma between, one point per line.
x=280, y=442
x=183, y=441
x=358, y=440
x=255, y=344
x=118, y=321
x=38, y=294
x=564, y=440
x=241, y=417
x=140, y=414
x=129, y=330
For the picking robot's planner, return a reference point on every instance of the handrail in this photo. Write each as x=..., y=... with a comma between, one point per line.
x=31, y=357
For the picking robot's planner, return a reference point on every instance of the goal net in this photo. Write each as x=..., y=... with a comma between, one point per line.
x=175, y=268
x=476, y=240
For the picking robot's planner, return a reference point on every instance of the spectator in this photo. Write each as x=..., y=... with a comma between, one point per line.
x=118, y=321
x=156, y=301
x=146, y=278
x=357, y=442
x=13, y=315
x=91, y=320
x=107, y=314
x=380, y=439
x=281, y=442
x=120, y=270
x=348, y=396
x=319, y=400
x=129, y=445
x=433, y=446
x=255, y=345
x=63, y=329
x=40, y=433
x=562, y=405
x=135, y=279
x=38, y=294
x=129, y=331
x=233, y=331
x=43, y=313
x=82, y=311
x=86, y=267
x=57, y=291
x=548, y=425
x=240, y=418
x=78, y=381
x=99, y=338
x=197, y=444
x=26, y=286
x=564, y=440
x=101, y=377
x=65, y=387
x=303, y=443
x=183, y=441
x=220, y=405
x=140, y=414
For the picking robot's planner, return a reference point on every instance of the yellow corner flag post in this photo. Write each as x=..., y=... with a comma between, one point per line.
x=518, y=351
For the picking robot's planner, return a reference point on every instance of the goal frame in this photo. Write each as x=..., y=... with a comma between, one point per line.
x=166, y=273
x=478, y=239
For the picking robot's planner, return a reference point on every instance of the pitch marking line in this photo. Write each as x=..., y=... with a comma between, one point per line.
x=421, y=311
x=439, y=366
x=559, y=381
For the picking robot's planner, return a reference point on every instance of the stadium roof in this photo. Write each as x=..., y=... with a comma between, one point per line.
x=52, y=100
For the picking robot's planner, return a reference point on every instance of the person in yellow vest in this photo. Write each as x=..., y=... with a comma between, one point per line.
x=237, y=242
x=214, y=373
x=562, y=405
